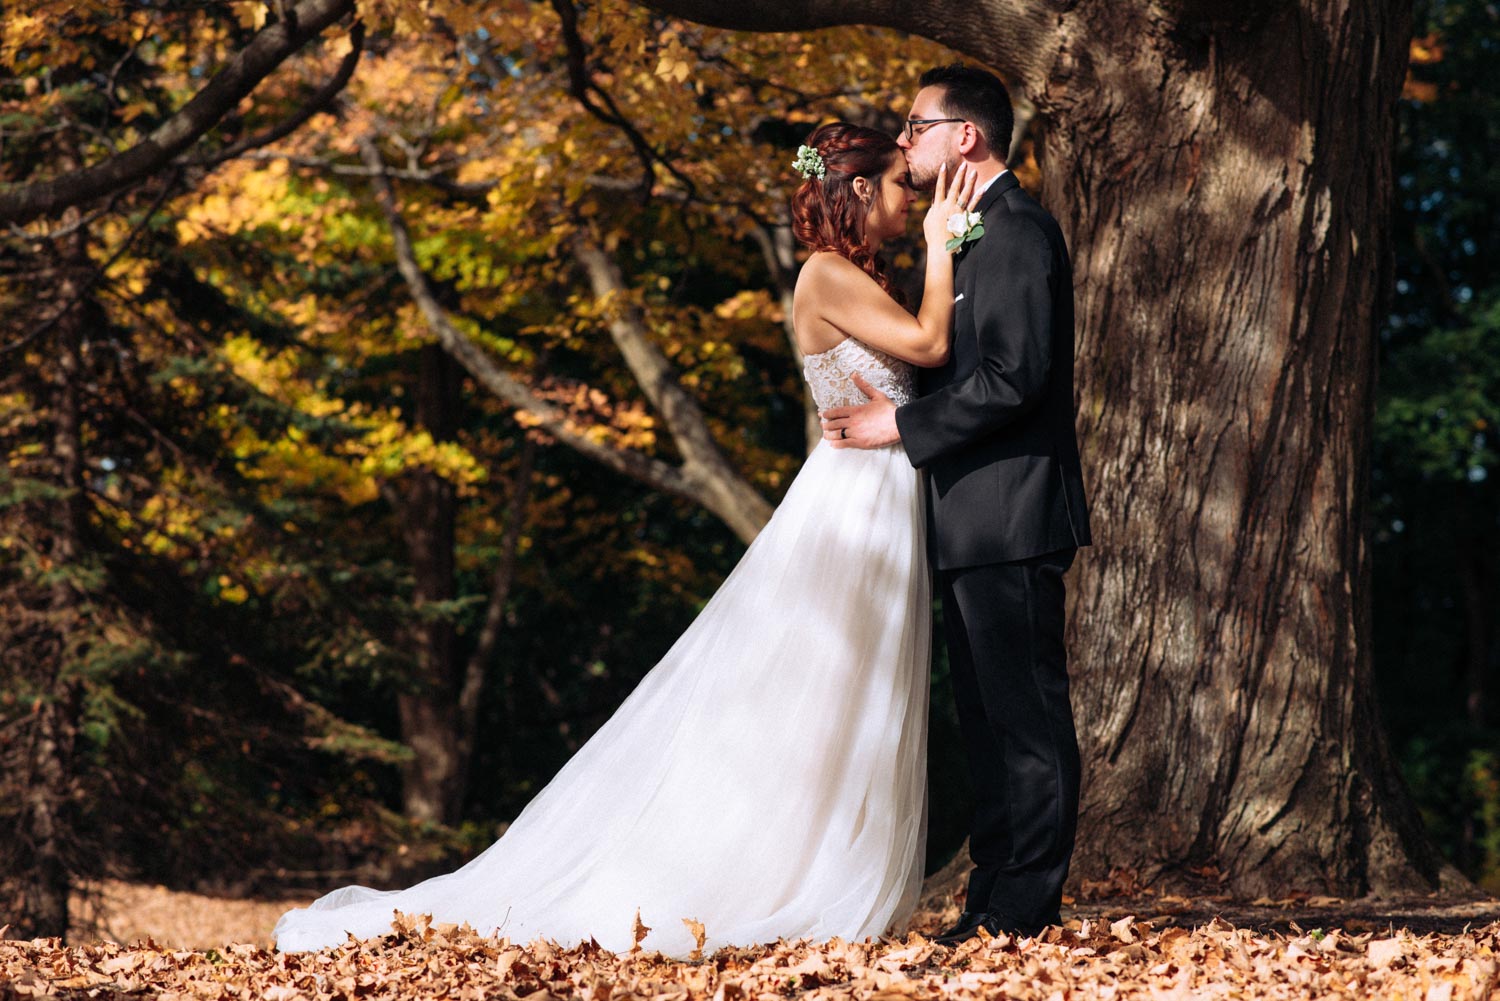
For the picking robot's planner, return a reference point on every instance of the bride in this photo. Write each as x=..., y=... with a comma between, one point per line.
x=768, y=777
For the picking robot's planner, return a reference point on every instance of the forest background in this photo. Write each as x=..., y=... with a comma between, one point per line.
x=361, y=457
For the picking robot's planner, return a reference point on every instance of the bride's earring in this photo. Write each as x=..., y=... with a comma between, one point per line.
x=866, y=196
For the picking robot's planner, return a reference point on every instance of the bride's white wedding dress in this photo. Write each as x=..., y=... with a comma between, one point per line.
x=768, y=777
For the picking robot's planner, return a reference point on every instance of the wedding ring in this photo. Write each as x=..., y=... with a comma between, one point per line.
x=843, y=432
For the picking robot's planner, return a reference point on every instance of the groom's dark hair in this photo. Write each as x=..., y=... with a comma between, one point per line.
x=977, y=96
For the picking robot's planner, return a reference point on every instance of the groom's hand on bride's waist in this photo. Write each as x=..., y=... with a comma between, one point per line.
x=869, y=425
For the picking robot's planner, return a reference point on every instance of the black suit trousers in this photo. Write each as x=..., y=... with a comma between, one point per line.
x=1004, y=628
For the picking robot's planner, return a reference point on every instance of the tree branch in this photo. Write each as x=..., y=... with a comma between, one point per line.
x=1016, y=37
x=237, y=80
x=320, y=99
x=472, y=191
x=705, y=478
x=494, y=613
x=82, y=222
x=729, y=496
x=581, y=85
x=98, y=274
x=475, y=192
x=556, y=422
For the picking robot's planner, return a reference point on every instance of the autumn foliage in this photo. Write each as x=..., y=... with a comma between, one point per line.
x=380, y=437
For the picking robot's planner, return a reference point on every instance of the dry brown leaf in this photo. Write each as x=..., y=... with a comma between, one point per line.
x=695, y=929
x=729, y=990
x=638, y=931
x=506, y=960
x=1383, y=952
x=1123, y=930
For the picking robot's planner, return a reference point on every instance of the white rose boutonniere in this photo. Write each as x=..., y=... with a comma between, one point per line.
x=966, y=227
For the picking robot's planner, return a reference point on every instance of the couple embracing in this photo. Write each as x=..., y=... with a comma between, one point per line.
x=767, y=779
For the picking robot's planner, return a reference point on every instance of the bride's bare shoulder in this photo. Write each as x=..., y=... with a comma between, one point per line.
x=821, y=283
x=826, y=266
x=831, y=282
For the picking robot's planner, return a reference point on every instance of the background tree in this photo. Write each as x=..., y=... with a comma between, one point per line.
x=131, y=732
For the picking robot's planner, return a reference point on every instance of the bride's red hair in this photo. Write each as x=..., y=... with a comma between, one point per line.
x=826, y=213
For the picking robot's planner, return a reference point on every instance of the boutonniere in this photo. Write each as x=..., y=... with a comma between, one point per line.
x=966, y=227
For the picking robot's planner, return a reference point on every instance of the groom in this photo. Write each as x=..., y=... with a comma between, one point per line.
x=993, y=428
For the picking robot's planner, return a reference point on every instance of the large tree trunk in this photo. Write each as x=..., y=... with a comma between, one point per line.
x=1222, y=172
x=1232, y=248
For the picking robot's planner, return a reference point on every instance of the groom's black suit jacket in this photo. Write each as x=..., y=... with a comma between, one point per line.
x=994, y=426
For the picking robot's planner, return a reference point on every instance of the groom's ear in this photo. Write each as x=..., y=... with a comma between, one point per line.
x=970, y=139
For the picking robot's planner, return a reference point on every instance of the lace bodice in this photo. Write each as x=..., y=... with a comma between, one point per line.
x=828, y=374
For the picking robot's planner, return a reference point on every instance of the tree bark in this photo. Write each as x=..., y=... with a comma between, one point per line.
x=432, y=780
x=1222, y=173
x=48, y=882
x=1240, y=245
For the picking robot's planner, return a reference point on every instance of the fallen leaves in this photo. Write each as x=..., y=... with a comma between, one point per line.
x=1123, y=959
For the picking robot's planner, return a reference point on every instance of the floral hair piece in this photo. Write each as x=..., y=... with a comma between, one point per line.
x=809, y=162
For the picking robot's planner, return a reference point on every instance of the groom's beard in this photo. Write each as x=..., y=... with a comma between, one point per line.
x=925, y=179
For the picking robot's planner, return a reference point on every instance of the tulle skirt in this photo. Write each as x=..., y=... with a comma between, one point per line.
x=767, y=778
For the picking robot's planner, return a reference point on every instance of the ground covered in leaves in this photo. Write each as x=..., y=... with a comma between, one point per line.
x=1095, y=957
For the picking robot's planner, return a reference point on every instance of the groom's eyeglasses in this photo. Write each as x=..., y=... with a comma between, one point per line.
x=912, y=123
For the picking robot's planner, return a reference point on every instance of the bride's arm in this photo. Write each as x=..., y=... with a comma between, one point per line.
x=837, y=293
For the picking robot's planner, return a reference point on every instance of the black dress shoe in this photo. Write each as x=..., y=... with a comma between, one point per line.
x=966, y=928
x=969, y=923
x=1030, y=931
